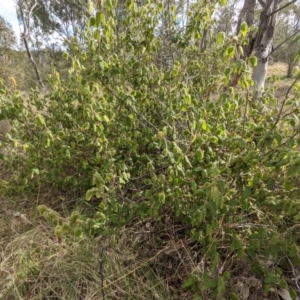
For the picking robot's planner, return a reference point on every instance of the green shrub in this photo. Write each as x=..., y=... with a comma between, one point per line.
x=185, y=135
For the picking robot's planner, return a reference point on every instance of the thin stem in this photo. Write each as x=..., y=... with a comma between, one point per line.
x=280, y=8
x=297, y=31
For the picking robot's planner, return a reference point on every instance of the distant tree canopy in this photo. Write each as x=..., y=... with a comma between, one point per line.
x=7, y=42
x=51, y=20
x=7, y=35
x=49, y=24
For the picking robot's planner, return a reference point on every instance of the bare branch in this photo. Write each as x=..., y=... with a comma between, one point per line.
x=280, y=8
x=262, y=3
x=37, y=73
x=297, y=31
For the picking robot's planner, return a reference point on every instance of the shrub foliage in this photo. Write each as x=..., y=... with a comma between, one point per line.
x=145, y=131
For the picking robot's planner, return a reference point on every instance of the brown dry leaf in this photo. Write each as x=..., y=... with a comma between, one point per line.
x=24, y=218
x=285, y=294
x=253, y=282
x=243, y=290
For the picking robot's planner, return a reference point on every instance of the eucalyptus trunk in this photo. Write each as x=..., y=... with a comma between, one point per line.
x=263, y=43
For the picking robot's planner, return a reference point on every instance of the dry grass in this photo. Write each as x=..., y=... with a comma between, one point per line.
x=146, y=260
x=277, y=69
x=282, y=84
x=35, y=266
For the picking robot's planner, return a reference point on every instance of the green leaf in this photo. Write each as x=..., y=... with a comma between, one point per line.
x=36, y=171
x=98, y=18
x=241, y=50
x=198, y=193
x=190, y=281
x=187, y=99
x=230, y=51
x=162, y=198
x=271, y=184
x=148, y=194
x=199, y=155
x=42, y=209
x=253, y=61
x=92, y=21
x=121, y=180
x=244, y=28
x=288, y=185
x=227, y=72
x=292, y=170
x=97, y=180
x=129, y=4
x=214, y=171
x=203, y=125
x=270, y=278
x=160, y=6
x=221, y=285
x=246, y=193
x=193, y=186
x=211, y=283
x=109, y=4
x=220, y=38
x=234, y=296
x=65, y=55
x=59, y=231
x=40, y=120
x=293, y=251
x=90, y=193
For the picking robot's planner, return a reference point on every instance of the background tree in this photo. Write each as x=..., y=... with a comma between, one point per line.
x=226, y=17
x=7, y=36
x=55, y=21
x=24, y=16
x=262, y=43
x=285, y=47
x=7, y=44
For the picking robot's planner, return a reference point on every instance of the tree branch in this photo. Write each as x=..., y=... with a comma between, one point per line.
x=280, y=8
x=297, y=31
x=37, y=73
x=262, y=3
x=25, y=34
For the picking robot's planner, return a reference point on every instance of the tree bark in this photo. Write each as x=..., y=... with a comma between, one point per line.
x=37, y=73
x=247, y=15
x=264, y=42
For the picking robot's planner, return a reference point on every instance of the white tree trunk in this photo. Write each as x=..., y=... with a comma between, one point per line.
x=264, y=42
x=260, y=71
x=259, y=75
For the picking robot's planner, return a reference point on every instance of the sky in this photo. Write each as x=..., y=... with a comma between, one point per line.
x=8, y=11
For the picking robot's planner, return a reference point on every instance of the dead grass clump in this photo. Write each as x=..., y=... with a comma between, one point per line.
x=282, y=84
x=34, y=266
x=163, y=253
x=277, y=69
x=147, y=260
